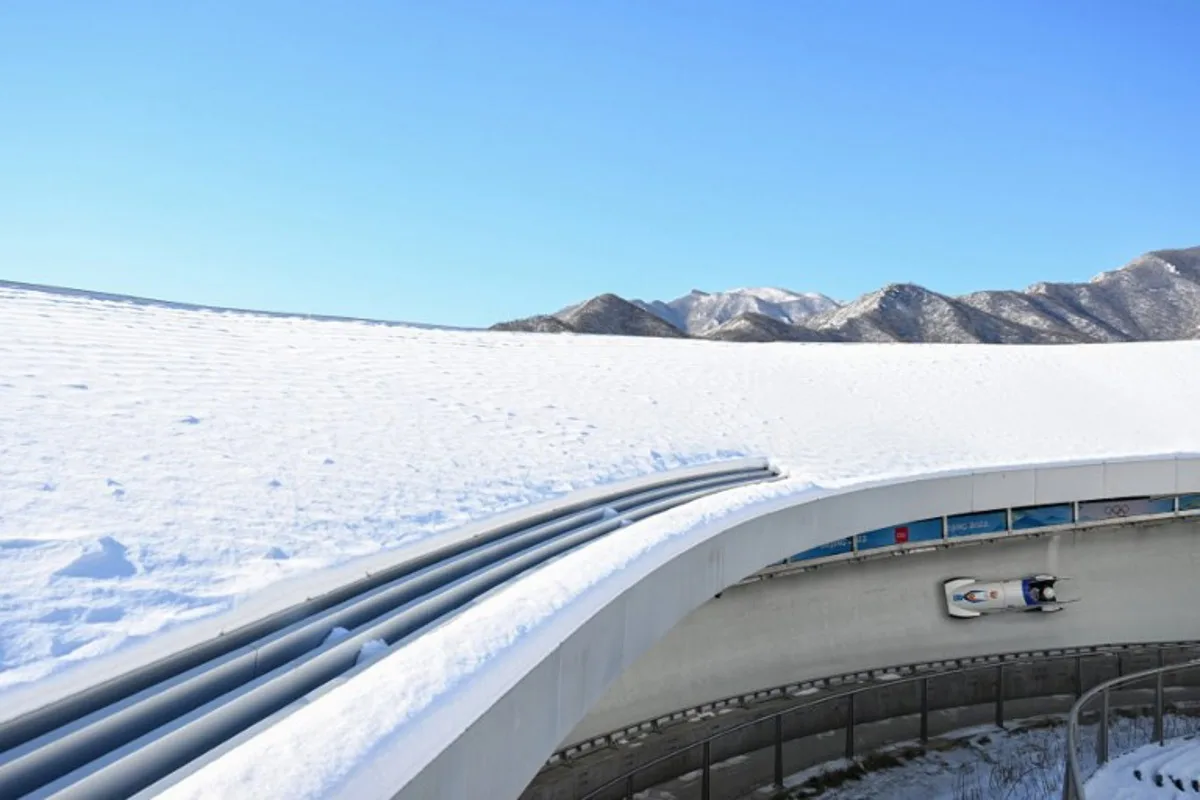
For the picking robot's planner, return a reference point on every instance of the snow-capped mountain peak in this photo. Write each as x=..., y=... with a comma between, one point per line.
x=699, y=312
x=773, y=294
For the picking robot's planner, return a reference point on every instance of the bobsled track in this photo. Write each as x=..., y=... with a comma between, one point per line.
x=570, y=667
x=770, y=644
x=124, y=735
x=150, y=727
x=840, y=618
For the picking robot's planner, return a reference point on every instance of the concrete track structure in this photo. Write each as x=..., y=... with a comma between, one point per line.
x=846, y=617
x=567, y=678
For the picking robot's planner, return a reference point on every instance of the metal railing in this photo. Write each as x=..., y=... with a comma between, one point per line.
x=1075, y=773
x=747, y=700
x=628, y=783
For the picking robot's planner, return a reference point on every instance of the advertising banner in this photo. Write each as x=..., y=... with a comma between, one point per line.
x=1130, y=507
x=922, y=531
x=977, y=524
x=1041, y=516
x=1189, y=502
x=825, y=550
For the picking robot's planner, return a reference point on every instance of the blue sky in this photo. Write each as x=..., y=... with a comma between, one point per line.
x=466, y=162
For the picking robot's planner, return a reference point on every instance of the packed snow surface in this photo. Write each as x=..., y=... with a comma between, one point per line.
x=160, y=465
x=1177, y=759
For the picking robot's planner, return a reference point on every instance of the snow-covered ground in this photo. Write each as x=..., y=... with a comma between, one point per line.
x=1024, y=762
x=160, y=465
x=1132, y=747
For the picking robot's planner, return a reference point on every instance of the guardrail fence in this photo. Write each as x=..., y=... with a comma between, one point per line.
x=849, y=722
x=1125, y=713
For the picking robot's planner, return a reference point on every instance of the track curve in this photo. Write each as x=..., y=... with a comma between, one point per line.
x=847, y=617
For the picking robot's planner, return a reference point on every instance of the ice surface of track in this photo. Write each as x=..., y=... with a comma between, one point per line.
x=158, y=465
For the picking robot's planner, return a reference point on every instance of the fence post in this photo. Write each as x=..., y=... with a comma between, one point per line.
x=924, y=710
x=779, y=751
x=1000, y=696
x=705, y=789
x=849, y=727
x=1068, y=784
x=1078, y=677
x=629, y=787
x=1102, y=738
x=1158, y=708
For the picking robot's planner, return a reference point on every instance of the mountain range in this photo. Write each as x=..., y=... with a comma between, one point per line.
x=1154, y=297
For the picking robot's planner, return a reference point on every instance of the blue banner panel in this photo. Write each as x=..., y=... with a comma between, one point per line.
x=825, y=550
x=1041, y=516
x=922, y=531
x=977, y=524
x=1189, y=502
x=1095, y=510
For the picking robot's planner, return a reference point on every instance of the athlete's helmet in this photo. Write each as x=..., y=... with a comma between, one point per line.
x=1048, y=593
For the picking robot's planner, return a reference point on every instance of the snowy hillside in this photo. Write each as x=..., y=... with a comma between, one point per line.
x=159, y=465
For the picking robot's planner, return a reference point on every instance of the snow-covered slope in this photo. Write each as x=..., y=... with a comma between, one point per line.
x=158, y=464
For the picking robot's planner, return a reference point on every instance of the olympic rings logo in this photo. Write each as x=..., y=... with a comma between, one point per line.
x=1117, y=510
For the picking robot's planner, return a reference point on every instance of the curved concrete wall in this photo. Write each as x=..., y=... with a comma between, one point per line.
x=847, y=617
x=565, y=668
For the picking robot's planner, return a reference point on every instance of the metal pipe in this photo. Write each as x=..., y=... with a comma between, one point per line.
x=1158, y=708
x=924, y=710
x=1102, y=739
x=1000, y=696
x=779, y=751
x=850, y=726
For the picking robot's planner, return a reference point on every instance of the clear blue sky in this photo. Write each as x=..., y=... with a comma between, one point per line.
x=467, y=162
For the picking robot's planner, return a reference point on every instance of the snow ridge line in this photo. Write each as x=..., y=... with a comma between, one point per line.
x=121, y=736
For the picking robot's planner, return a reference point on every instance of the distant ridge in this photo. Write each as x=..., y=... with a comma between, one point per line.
x=1155, y=297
